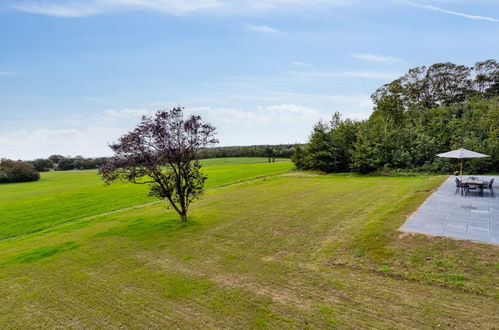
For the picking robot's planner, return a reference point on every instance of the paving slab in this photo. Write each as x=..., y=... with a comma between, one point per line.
x=472, y=217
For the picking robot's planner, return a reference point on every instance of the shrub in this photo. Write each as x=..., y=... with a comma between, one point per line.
x=17, y=171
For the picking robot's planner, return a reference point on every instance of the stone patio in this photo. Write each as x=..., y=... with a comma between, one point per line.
x=471, y=217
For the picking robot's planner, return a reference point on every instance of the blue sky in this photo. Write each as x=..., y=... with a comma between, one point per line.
x=75, y=75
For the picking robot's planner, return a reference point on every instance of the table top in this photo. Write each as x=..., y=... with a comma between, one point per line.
x=473, y=181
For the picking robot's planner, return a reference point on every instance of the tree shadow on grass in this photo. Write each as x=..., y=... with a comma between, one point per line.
x=144, y=227
x=40, y=253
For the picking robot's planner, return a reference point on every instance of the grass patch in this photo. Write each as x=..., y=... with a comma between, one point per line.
x=40, y=253
x=61, y=197
x=295, y=251
x=457, y=280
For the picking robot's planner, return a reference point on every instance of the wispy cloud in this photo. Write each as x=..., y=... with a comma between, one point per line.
x=377, y=58
x=276, y=4
x=81, y=8
x=60, y=10
x=455, y=13
x=90, y=137
x=286, y=113
x=302, y=65
x=261, y=28
x=377, y=75
x=125, y=114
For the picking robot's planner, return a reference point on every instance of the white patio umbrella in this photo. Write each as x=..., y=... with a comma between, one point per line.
x=462, y=153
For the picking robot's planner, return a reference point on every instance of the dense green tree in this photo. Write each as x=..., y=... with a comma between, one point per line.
x=323, y=155
x=299, y=157
x=42, y=165
x=55, y=159
x=17, y=171
x=425, y=112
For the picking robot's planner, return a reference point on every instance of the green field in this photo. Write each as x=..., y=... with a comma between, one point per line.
x=65, y=196
x=279, y=249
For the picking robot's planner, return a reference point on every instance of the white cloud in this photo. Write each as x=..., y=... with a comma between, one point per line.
x=61, y=10
x=455, y=13
x=54, y=136
x=377, y=58
x=80, y=8
x=273, y=4
x=261, y=115
x=371, y=75
x=302, y=65
x=126, y=114
x=287, y=112
x=90, y=136
x=230, y=116
x=261, y=28
x=377, y=75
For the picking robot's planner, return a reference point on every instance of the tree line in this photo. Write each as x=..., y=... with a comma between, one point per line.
x=66, y=163
x=278, y=151
x=427, y=111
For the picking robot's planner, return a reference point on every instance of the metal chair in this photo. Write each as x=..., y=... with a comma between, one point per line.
x=472, y=187
x=489, y=186
x=460, y=186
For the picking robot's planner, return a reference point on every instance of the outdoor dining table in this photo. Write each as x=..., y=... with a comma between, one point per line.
x=478, y=183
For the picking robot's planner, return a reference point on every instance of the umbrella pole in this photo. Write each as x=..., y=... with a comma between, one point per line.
x=461, y=172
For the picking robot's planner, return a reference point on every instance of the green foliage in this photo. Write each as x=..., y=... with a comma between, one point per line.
x=322, y=152
x=17, y=171
x=42, y=165
x=278, y=151
x=299, y=157
x=423, y=113
x=329, y=147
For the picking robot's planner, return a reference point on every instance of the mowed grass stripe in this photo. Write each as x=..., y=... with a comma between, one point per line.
x=64, y=196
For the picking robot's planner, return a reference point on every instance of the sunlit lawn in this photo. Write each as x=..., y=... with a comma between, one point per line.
x=291, y=251
x=64, y=196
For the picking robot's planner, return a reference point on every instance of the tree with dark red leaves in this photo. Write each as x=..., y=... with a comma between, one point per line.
x=162, y=152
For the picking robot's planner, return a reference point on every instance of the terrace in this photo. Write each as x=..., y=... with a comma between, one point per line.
x=446, y=213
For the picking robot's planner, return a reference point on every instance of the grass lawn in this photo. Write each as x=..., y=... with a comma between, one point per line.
x=64, y=196
x=293, y=250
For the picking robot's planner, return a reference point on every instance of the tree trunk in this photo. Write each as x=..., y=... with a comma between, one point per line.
x=183, y=217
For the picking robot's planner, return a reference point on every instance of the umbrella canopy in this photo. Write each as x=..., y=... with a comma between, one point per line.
x=462, y=153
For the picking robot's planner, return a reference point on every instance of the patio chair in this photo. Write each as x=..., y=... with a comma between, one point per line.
x=489, y=185
x=460, y=186
x=472, y=187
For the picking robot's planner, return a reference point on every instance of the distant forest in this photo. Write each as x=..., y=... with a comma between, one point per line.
x=427, y=111
x=65, y=163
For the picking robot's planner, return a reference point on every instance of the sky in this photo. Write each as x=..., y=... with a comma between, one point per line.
x=76, y=75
